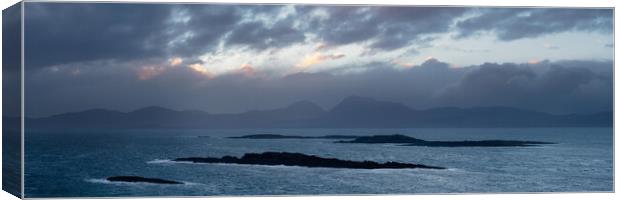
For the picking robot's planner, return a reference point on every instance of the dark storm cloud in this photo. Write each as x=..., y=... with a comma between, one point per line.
x=61, y=33
x=516, y=23
x=58, y=33
x=562, y=87
x=205, y=26
x=385, y=27
x=258, y=36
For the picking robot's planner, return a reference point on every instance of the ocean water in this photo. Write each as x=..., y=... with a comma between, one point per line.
x=76, y=163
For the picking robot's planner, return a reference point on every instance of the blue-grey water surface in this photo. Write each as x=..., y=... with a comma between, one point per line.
x=76, y=163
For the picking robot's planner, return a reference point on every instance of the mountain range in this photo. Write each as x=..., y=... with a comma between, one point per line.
x=352, y=112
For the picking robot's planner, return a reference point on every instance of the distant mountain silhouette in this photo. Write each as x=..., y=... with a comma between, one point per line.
x=352, y=112
x=360, y=111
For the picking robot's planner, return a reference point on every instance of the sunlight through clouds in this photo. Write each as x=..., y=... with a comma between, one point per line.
x=317, y=58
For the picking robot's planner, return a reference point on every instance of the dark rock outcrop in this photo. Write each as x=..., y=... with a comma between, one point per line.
x=137, y=179
x=298, y=159
x=276, y=136
x=410, y=141
x=268, y=136
x=384, y=139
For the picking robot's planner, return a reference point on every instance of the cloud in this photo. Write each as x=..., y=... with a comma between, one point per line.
x=152, y=70
x=85, y=32
x=248, y=70
x=466, y=50
x=175, y=61
x=509, y=24
x=544, y=86
x=148, y=72
x=321, y=46
x=317, y=58
x=504, y=82
x=384, y=27
x=257, y=35
x=202, y=27
x=231, y=58
x=403, y=63
x=550, y=46
x=533, y=61
x=89, y=32
x=199, y=68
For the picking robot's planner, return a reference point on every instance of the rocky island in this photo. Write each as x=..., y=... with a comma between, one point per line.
x=138, y=179
x=303, y=160
x=379, y=139
x=411, y=141
x=276, y=136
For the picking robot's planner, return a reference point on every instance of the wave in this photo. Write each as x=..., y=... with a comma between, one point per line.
x=169, y=162
x=161, y=161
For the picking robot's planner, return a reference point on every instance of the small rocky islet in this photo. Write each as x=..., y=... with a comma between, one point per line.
x=277, y=136
x=410, y=141
x=303, y=160
x=402, y=139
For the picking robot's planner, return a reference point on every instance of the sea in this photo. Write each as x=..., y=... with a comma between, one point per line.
x=76, y=163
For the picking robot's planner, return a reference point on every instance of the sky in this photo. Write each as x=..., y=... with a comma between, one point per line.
x=224, y=58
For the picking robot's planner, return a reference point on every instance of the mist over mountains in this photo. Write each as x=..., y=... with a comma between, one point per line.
x=352, y=112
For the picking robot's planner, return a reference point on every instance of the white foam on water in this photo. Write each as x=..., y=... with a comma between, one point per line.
x=454, y=170
x=161, y=161
x=98, y=180
x=391, y=171
x=168, y=161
